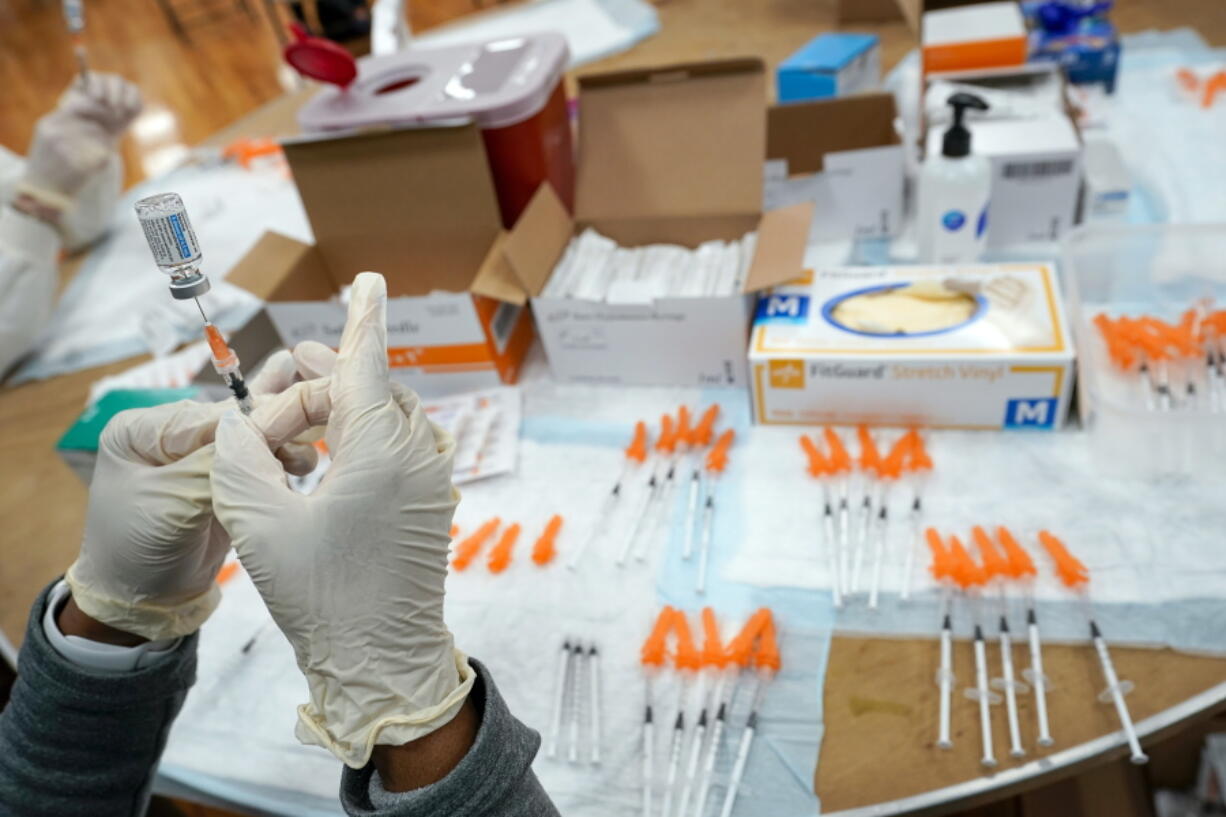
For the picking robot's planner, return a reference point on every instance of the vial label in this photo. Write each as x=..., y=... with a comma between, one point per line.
x=171, y=239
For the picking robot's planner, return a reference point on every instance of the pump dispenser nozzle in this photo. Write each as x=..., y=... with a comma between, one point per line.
x=958, y=138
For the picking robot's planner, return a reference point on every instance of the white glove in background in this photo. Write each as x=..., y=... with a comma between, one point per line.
x=78, y=138
x=353, y=573
x=152, y=546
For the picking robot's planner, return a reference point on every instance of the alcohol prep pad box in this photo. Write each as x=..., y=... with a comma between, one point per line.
x=972, y=347
x=830, y=65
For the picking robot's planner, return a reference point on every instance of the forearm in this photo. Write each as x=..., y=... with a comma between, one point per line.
x=28, y=254
x=493, y=778
x=77, y=741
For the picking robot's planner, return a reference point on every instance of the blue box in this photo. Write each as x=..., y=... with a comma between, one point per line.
x=1086, y=47
x=830, y=65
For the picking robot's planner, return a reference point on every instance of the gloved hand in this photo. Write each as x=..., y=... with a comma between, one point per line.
x=76, y=139
x=353, y=573
x=152, y=546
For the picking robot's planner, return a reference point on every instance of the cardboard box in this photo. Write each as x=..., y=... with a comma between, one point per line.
x=418, y=206
x=830, y=65
x=1009, y=365
x=879, y=11
x=1012, y=93
x=844, y=156
x=983, y=35
x=666, y=155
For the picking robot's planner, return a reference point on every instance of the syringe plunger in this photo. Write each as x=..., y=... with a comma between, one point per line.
x=173, y=243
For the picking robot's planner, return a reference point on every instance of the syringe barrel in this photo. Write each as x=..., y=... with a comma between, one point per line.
x=172, y=241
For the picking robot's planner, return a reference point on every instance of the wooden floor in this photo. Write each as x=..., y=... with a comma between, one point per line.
x=229, y=63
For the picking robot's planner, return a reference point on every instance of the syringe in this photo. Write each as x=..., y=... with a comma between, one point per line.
x=74, y=20
x=225, y=363
x=177, y=253
x=1021, y=568
x=636, y=455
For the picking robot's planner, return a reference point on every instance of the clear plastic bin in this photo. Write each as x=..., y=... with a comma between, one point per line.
x=1158, y=270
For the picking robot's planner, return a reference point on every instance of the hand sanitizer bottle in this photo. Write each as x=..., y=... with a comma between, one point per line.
x=952, y=220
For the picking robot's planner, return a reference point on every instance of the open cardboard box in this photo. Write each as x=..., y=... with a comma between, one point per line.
x=418, y=206
x=846, y=157
x=666, y=155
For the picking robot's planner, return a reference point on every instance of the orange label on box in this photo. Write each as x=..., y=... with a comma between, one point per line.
x=787, y=374
x=458, y=354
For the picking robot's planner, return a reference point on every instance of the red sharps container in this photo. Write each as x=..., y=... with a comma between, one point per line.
x=512, y=88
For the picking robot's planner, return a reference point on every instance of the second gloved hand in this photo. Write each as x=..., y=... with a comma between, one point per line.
x=78, y=137
x=353, y=574
x=152, y=546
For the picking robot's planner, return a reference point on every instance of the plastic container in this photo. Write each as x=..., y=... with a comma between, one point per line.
x=1158, y=270
x=512, y=88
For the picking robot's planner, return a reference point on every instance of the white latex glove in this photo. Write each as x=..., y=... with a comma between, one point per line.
x=76, y=139
x=353, y=573
x=152, y=546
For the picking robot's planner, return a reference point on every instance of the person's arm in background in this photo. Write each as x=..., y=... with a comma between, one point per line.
x=73, y=145
x=353, y=575
x=110, y=653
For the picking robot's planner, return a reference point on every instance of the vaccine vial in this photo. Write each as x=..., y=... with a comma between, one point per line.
x=173, y=243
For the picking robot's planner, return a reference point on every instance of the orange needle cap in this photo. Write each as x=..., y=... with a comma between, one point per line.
x=705, y=429
x=468, y=549
x=546, y=546
x=1020, y=563
x=637, y=450
x=1069, y=570
x=840, y=460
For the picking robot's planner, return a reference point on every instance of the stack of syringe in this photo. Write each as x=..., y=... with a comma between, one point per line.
x=907, y=458
x=576, y=704
x=1177, y=365
x=715, y=670
x=1003, y=560
x=678, y=441
x=595, y=268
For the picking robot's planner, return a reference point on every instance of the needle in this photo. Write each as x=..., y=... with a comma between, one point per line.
x=870, y=470
x=996, y=568
x=666, y=443
x=942, y=570
x=652, y=658
x=821, y=469
x=700, y=437
x=636, y=455
x=1021, y=568
x=738, y=656
x=593, y=665
x=970, y=577
x=559, y=699
x=716, y=462
x=688, y=662
x=1074, y=575
x=919, y=466
x=715, y=659
x=767, y=662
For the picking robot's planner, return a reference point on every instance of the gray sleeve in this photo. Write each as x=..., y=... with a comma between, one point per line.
x=77, y=742
x=494, y=779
